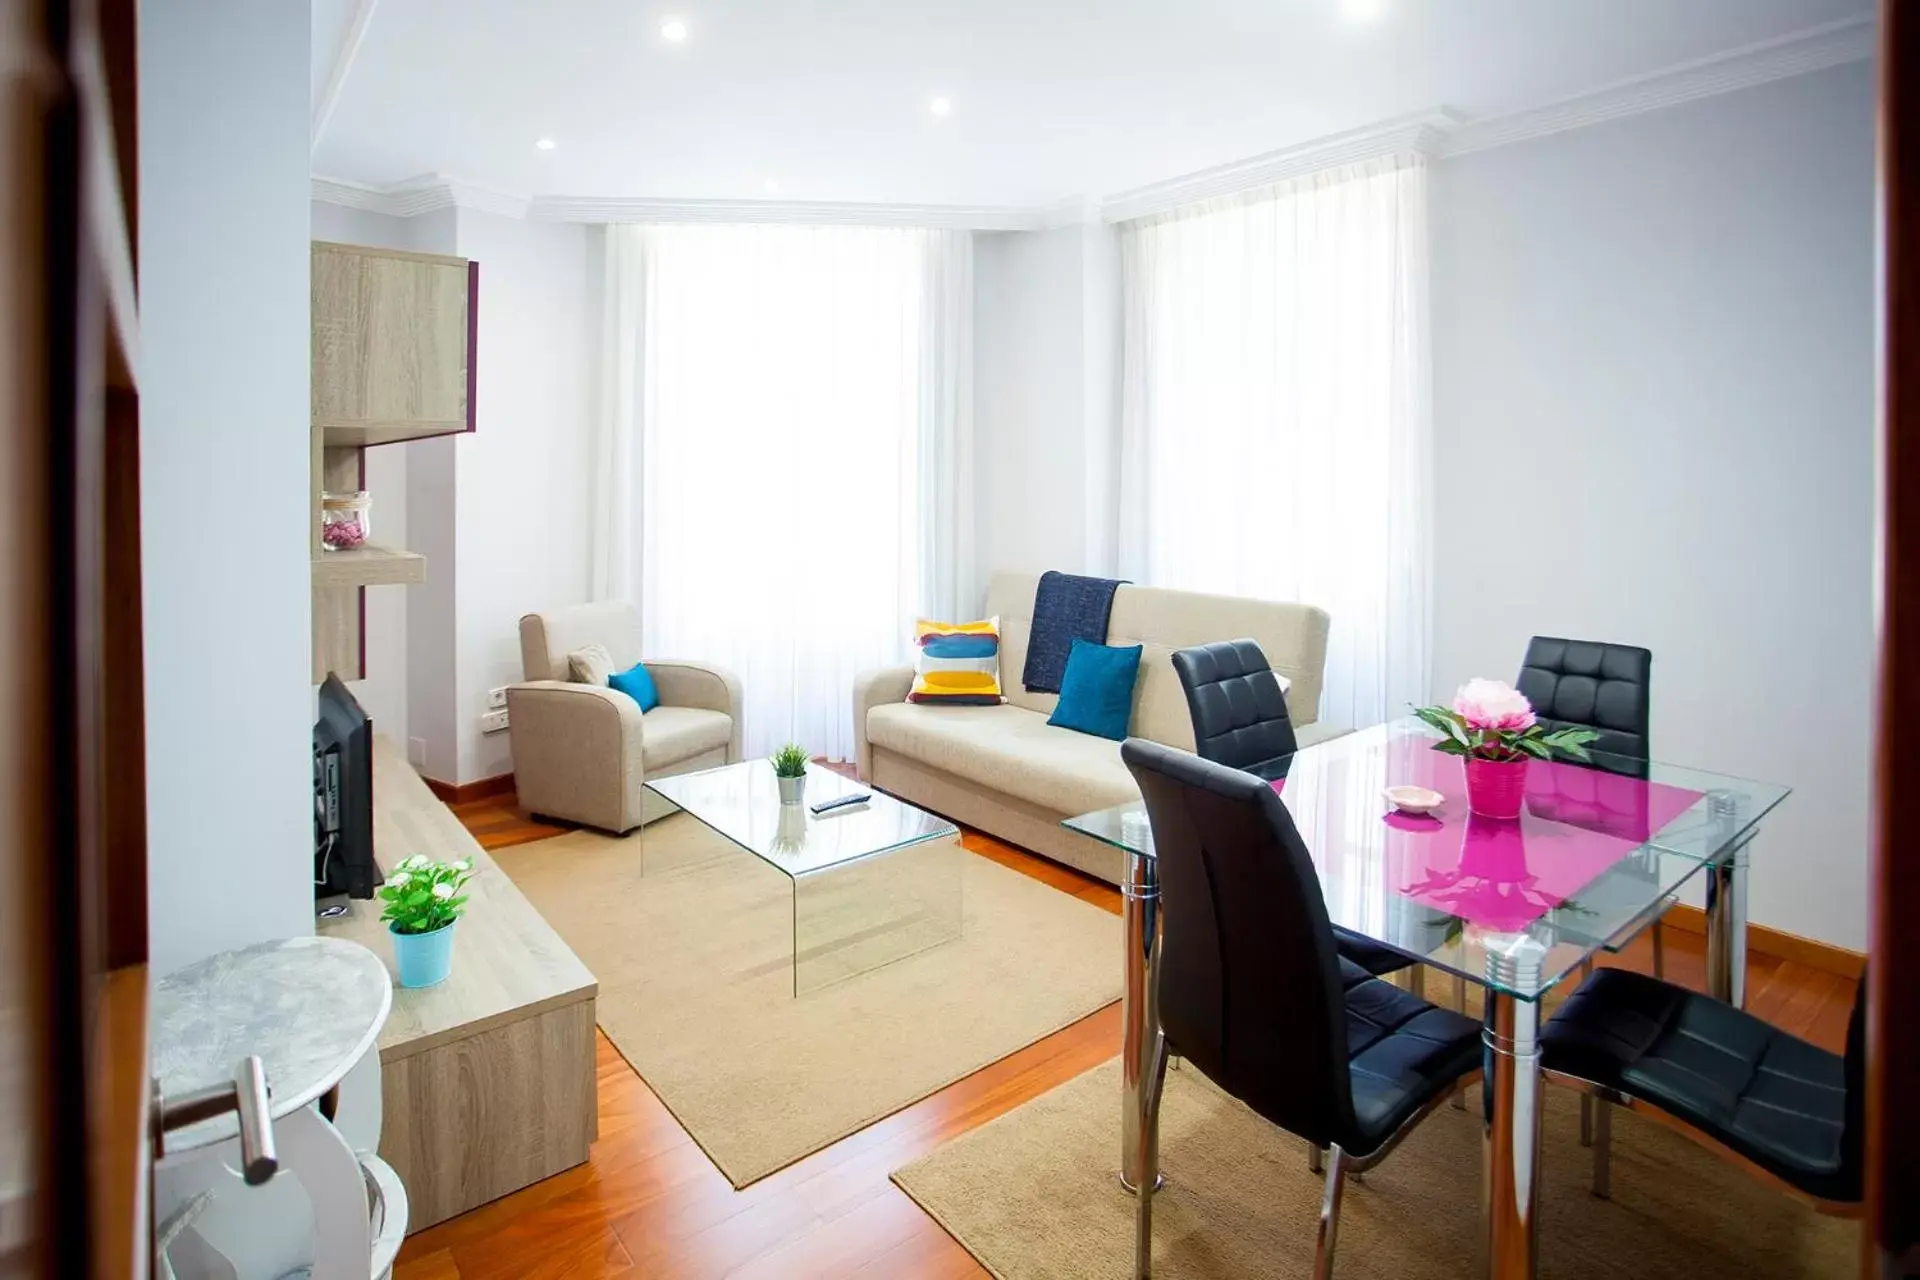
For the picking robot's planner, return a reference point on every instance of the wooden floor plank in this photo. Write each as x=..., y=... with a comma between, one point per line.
x=650, y=1203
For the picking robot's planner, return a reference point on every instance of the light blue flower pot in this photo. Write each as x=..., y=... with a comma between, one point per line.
x=423, y=958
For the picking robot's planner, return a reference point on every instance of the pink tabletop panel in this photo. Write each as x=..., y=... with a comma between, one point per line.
x=1503, y=874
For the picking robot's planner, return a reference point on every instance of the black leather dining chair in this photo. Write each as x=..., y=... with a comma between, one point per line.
x=1591, y=684
x=1252, y=991
x=1240, y=720
x=1786, y=1107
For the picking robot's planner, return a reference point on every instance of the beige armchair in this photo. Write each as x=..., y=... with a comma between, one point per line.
x=581, y=752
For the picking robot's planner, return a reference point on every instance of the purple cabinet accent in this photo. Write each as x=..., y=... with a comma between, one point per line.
x=473, y=342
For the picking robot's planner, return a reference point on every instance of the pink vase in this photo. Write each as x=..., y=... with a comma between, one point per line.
x=1496, y=788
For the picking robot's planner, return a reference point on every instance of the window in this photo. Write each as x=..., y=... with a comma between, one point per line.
x=1275, y=418
x=785, y=454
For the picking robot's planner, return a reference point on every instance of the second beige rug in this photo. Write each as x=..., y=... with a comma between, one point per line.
x=691, y=939
x=1033, y=1196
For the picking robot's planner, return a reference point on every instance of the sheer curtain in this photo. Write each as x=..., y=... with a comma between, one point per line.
x=1274, y=421
x=786, y=454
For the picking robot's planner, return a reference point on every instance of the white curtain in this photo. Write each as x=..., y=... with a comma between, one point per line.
x=1275, y=433
x=785, y=475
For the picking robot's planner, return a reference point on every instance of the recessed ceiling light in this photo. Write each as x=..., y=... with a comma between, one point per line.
x=1362, y=10
x=941, y=107
x=546, y=144
x=674, y=29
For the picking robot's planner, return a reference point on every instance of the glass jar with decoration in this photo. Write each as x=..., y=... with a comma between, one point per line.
x=344, y=523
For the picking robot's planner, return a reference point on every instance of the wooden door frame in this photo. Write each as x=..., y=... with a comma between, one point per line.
x=1891, y=1242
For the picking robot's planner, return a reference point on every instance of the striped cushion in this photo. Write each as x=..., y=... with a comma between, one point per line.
x=958, y=663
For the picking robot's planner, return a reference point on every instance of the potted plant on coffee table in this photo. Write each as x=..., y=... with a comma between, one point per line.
x=790, y=770
x=424, y=903
x=1492, y=725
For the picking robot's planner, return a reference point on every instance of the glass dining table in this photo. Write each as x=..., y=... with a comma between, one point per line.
x=1513, y=906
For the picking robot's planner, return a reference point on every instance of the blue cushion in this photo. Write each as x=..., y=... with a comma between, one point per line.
x=1096, y=692
x=636, y=684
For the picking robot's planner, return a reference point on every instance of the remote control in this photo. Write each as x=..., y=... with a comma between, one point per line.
x=828, y=806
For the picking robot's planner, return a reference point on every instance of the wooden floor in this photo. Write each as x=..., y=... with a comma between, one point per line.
x=649, y=1202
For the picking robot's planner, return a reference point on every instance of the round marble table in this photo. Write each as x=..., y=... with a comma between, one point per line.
x=309, y=1008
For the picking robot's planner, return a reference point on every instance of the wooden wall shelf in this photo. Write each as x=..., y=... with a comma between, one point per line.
x=363, y=435
x=371, y=565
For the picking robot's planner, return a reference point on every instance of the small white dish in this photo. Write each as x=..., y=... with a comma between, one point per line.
x=1419, y=800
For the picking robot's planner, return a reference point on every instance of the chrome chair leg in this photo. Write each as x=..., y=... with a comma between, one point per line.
x=1586, y=1099
x=1459, y=1006
x=1155, y=1084
x=1602, y=1148
x=1316, y=1159
x=1330, y=1215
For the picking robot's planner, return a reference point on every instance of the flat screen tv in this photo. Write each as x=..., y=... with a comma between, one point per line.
x=342, y=796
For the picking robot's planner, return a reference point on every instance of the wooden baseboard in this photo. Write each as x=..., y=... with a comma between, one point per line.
x=484, y=789
x=1777, y=943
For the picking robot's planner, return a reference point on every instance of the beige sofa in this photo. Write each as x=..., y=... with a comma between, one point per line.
x=1006, y=771
x=581, y=752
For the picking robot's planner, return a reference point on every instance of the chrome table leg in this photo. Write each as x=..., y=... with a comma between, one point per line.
x=1139, y=1014
x=1513, y=1123
x=1154, y=1081
x=1727, y=928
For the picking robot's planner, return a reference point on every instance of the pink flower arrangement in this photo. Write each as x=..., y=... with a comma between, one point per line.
x=1492, y=720
x=1491, y=704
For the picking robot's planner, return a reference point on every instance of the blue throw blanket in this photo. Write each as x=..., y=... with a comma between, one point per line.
x=1065, y=606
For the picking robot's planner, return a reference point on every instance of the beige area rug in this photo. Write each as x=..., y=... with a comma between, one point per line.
x=1033, y=1194
x=691, y=939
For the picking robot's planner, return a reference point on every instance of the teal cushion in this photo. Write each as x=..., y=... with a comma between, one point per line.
x=636, y=684
x=1096, y=693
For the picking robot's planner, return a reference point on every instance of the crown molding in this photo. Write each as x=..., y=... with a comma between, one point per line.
x=434, y=191
x=343, y=57
x=1074, y=211
x=1814, y=49
x=1421, y=133
x=799, y=212
x=416, y=196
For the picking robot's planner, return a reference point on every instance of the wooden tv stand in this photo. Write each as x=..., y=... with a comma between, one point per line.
x=487, y=1080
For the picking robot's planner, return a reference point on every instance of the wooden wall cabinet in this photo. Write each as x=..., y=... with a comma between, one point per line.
x=394, y=340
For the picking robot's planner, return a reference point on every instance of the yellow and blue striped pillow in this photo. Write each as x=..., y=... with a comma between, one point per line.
x=958, y=663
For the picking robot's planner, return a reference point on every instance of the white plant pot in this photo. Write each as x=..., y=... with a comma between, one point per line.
x=792, y=790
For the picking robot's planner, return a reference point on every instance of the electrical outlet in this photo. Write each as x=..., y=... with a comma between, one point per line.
x=497, y=698
x=493, y=722
x=417, y=752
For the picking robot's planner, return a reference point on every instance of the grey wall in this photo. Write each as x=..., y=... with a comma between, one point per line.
x=1653, y=338
x=1046, y=398
x=525, y=476
x=226, y=606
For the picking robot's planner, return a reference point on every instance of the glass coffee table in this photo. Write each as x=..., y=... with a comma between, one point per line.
x=871, y=883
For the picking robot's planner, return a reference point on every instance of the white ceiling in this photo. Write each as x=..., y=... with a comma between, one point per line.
x=1052, y=99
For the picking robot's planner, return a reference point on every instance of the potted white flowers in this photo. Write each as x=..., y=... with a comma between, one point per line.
x=423, y=904
x=1492, y=726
